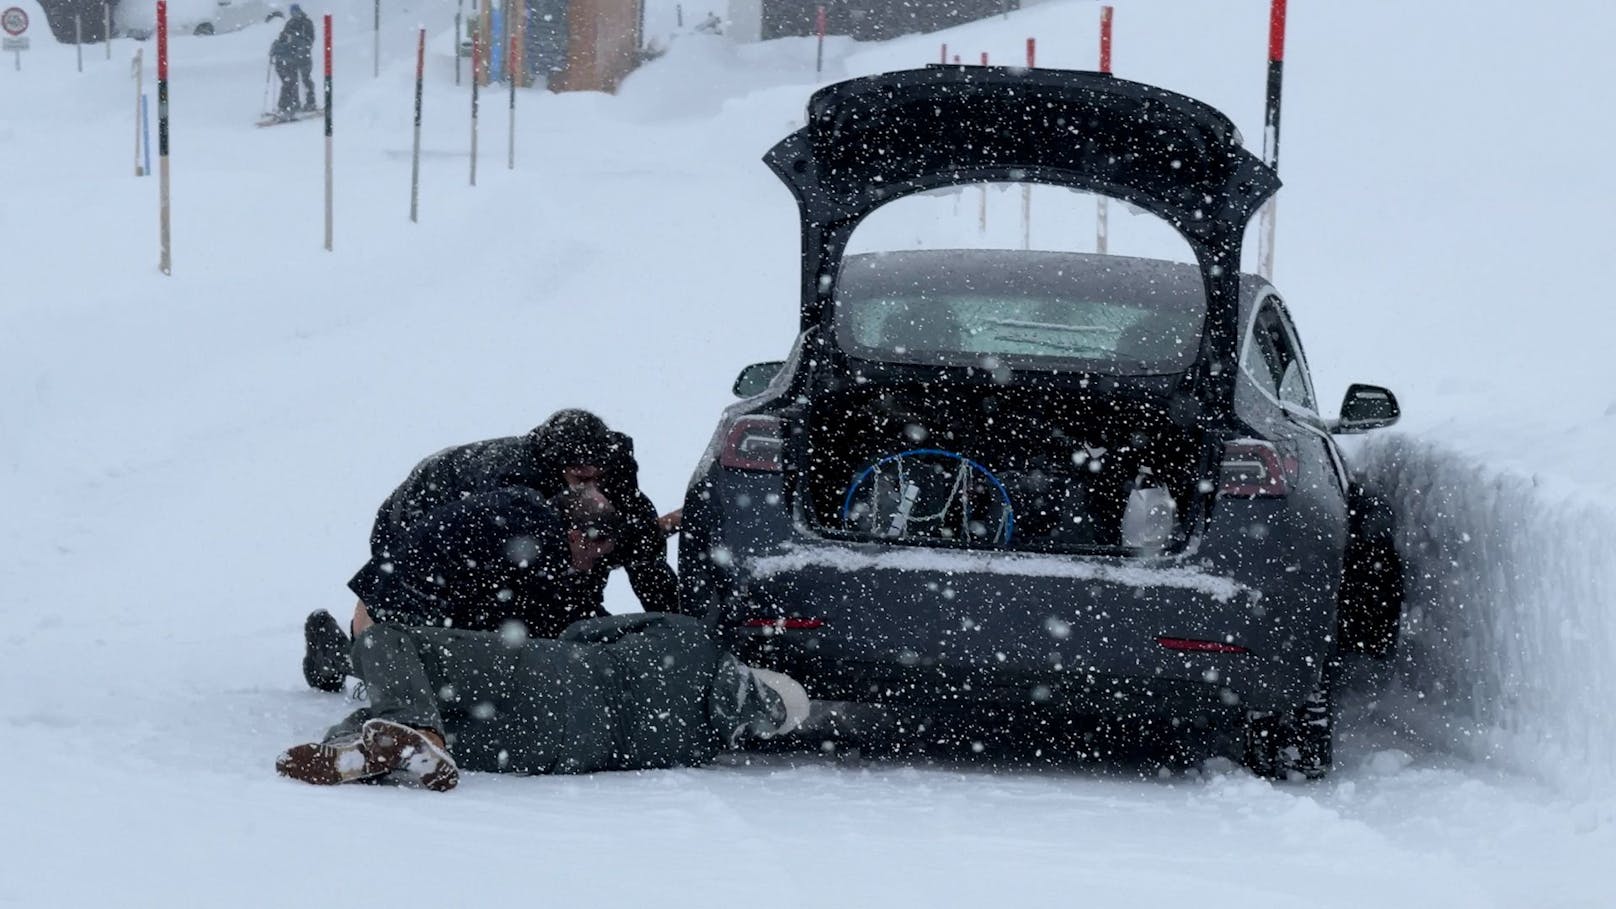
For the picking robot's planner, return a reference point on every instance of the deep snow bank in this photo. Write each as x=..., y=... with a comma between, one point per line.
x=1507, y=632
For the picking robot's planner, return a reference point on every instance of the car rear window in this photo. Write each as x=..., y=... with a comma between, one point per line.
x=1022, y=308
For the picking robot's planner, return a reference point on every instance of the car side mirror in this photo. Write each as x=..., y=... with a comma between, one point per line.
x=755, y=378
x=1366, y=407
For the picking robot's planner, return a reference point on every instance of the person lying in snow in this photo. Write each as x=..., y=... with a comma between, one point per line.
x=627, y=692
x=572, y=449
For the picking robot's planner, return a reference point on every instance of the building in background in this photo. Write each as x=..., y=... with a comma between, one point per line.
x=563, y=45
x=863, y=20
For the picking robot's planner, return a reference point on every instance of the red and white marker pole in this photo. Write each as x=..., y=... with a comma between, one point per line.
x=1276, y=73
x=165, y=258
x=819, y=29
x=1026, y=188
x=329, y=184
x=415, y=155
x=476, y=79
x=1102, y=211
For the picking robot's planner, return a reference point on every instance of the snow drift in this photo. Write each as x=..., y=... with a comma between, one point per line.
x=1507, y=632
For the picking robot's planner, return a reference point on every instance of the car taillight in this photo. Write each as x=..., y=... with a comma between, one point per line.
x=794, y=623
x=1190, y=645
x=1254, y=469
x=752, y=443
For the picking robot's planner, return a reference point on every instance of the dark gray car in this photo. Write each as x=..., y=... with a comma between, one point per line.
x=1070, y=484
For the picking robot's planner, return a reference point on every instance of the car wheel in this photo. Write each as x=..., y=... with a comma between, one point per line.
x=1299, y=743
x=205, y=28
x=1370, y=606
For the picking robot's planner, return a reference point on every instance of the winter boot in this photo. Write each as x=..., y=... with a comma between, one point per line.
x=779, y=704
x=379, y=747
x=325, y=652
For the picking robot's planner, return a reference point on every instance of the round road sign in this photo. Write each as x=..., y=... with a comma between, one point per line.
x=14, y=20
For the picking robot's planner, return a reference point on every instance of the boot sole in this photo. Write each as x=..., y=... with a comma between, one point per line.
x=402, y=748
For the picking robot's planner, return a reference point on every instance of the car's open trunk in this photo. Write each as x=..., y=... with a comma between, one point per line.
x=934, y=464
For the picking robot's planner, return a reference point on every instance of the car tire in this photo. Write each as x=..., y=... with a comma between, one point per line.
x=1370, y=606
x=1294, y=744
x=205, y=28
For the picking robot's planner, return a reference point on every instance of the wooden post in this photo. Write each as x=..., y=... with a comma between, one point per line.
x=982, y=208
x=140, y=79
x=329, y=186
x=819, y=28
x=459, y=30
x=78, y=39
x=165, y=258
x=415, y=155
x=376, y=39
x=476, y=78
x=106, y=27
x=1102, y=206
x=1026, y=188
x=511, y=76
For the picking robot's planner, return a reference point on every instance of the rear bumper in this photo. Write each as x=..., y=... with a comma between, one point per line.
x=917, y=626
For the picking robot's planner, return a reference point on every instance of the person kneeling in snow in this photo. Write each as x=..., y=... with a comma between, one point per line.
x=624, y=692
x=571, y=452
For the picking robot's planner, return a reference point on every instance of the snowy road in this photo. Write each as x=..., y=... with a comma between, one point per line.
x=189, y=465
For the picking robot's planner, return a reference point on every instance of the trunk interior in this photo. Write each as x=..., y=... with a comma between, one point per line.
x=1001, y=467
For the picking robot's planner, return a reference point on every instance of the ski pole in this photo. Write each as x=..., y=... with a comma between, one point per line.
x=269, y=71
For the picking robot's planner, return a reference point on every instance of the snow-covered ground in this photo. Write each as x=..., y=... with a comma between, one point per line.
x=189, y=464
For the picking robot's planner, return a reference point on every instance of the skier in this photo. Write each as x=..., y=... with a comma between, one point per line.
x=627, y=692
x=571, y=450
x=293, y=57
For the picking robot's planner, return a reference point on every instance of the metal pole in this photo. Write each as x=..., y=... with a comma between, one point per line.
x=165, y=258
x=1102, y=207
x=106, y=25
x=1026, y=188
x=1276, y=73
x=376, y=32
x=415, y=156
x=78, y=39
x=145, y=132
x=819, y=27
x=510, y=74
x=459, y=7
x=329, y=183
x=679, y=14
x=139, y=90
x=476, y=79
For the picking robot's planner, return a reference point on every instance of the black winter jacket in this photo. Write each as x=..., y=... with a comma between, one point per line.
x=475, y=563
x=535, y=461
x=296, y=42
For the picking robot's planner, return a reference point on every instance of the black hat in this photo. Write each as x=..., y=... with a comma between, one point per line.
x=571, y=437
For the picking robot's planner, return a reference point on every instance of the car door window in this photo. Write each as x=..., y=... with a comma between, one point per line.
x=1262, y=360
x=1274, y=361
